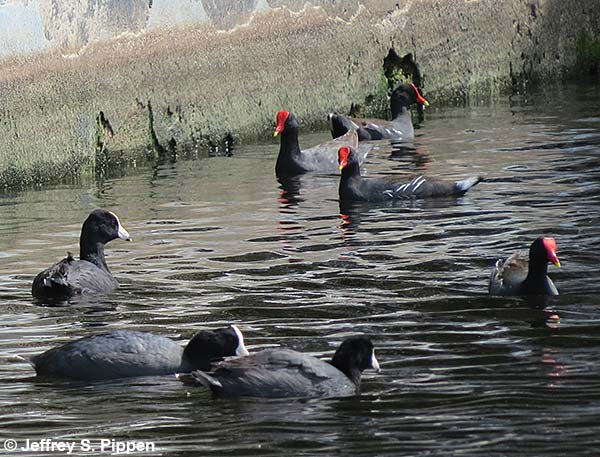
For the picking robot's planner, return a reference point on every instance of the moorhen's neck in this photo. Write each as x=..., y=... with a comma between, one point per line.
x=92, y=251
x=348, y=368
x=289, y=142
x=351, y=170
x=399, y=105
x=538, y=268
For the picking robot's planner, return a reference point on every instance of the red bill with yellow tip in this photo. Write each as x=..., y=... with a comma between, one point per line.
x=550, y=245
x=343, y=154
x=281, y=118
x=420, y=99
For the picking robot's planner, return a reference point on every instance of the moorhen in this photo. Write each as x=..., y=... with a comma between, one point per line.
x=354, y=188
x=516, y=275
x=399, y=128
x=322, y=158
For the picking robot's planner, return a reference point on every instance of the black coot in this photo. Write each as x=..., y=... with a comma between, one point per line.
x=278, y=373
x=125, y=353
x=354, y=188
x=89, y=274
x=399, y=128
x=517, y=275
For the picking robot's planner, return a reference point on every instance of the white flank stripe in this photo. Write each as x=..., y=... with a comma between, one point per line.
x=419, y=185
x=414, y=182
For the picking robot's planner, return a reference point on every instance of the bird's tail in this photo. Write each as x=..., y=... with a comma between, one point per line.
x=464, y=185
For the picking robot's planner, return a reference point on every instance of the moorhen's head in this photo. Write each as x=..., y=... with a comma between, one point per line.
x=543, y=250
x=285, y=121
x=408, y=94
x=348, y=160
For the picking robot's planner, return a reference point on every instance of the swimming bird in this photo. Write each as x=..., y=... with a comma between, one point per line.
x=126, y=353
x=89, y=274
x=353, y=187
x=278, y=373
x=400, y=127
x=517, y=275
x=321, y=158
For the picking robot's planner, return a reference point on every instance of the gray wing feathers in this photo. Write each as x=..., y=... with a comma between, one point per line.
x=112, y=355
x=74, y=277
x=314, y=158
x=276, y=373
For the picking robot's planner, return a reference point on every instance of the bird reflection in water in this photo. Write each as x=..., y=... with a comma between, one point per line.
x=289, y=198
x=546, y=314
x=289, y=192
x=415, y=157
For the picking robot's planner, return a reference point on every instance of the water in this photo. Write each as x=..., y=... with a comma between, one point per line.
x=217, y=241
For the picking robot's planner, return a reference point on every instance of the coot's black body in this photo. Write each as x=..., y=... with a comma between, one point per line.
x=281, y=373
x=125, y=353
x=89, y=274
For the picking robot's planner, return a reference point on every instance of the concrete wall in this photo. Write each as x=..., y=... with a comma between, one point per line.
x=215, y=67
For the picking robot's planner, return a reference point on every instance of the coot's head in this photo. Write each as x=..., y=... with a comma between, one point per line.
x=348, y=160
x=286, y=121
x=408, y=94
x=209, y=346
x=543, y=250
x=103, y=226
x=355, y=355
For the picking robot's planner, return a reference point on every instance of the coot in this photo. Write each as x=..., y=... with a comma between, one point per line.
x=126, y=353
x=89, y=274
x=278, y=373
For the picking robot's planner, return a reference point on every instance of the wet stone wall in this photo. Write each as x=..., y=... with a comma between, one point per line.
x=118, y=81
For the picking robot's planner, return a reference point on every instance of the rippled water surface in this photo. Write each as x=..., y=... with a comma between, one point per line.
x=217, y=241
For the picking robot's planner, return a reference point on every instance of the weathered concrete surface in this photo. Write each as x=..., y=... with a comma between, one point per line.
x=209, y=79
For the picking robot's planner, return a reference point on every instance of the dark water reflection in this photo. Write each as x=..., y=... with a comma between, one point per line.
x=219, y=240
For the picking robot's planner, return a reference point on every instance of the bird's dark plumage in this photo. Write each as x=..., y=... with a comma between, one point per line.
x=89, y=274
x=279, y=373
x=322, y=158
x=399, y=128
x=517, y=275
x=354, y=188
x=125, y=353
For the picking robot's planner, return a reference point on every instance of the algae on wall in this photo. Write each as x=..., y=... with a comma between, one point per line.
x=205, y=84
x=587, y=52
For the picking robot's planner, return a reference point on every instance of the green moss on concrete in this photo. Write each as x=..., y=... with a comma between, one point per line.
x=587, y=52
x=207, y=84
x=395, y=70
x=398, y=70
